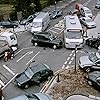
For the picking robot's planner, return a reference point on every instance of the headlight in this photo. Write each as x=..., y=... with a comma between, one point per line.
x=19, y=84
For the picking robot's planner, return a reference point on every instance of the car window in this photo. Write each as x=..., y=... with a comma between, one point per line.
x=41, y=37
x=37, y=74
x=12, y=37
x=98, y=62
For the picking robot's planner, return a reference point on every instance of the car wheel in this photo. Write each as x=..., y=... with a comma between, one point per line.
x=54, y=47
x=88, y=70
x=26, y=86
x=90, y=83
x=35, y=44
x=49, y=78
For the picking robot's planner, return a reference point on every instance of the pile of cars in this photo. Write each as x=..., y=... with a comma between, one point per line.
x=91, y=64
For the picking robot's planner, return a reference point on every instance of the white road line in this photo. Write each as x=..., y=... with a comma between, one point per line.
x=71, y=53
x=62, y=31
x=72, y=58
x=22, y=57
x=32, y=58
x=8, y=69
x=68, y=58
x=18, y=52
x=2, y=83
x=53, y=31
x=30, y=52
x=69, y=62
x=57, y=28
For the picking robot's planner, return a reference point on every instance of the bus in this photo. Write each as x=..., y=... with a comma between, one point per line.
x=73, y=32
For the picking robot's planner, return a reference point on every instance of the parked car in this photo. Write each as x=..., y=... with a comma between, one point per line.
x=46, y=39
x=55, y=14
x=35, y=96
x=86, y=12
x=8, y=24
x=74, y=11
x=93, y=79
x=78, y=97
x=90, y=62
x=88, y=22
x=27, y=20
x=97, y=4
x=34, y=74
x=93, y=42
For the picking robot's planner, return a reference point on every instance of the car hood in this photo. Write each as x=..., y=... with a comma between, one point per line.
x=91, y=23
x=42, y=96
x=21, y=78
x=57, y=40
x=84, y=60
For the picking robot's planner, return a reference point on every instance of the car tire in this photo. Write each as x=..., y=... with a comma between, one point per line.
x=88, y=70
x=35, y=44
x=90, y=83
x=49, y=78
x=54, y=47
x=26, y=86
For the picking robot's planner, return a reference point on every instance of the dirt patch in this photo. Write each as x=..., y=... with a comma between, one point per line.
x=71, y=83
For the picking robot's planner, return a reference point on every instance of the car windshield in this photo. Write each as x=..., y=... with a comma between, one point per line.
x=29, y=73
x=74, y=35
x=89, y=20
x=87, y=11
x=37, y=24
x=93, y=57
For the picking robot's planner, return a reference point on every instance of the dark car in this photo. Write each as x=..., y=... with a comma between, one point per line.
x=8, y=24
x=55, y=14
x=97, y=4
x=46, y=39
x=27, y=20
x=93, y=79
x=35, y=96
x=34, y=74
x=93, y=42
x=90, y=62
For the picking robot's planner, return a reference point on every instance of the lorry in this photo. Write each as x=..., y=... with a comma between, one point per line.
x=73, y=32
x=3, y=47
x=41, y=22
x=11, y=39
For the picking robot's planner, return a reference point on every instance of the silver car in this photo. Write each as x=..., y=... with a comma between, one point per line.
x=36, y=96
x=90, y=62
x=88, y=22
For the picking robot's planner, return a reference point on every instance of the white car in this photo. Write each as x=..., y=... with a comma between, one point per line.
x=85, y=11
x=88, y=22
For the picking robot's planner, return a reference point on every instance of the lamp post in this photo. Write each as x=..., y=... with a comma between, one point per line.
x=75, y=56
x=55, y=5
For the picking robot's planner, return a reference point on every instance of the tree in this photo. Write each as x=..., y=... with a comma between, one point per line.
x=37, y=5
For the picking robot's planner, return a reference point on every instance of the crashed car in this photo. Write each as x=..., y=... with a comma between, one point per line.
x=93, y=42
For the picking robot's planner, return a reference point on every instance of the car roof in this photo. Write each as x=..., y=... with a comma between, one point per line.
x=37, y=67
x=78, y=97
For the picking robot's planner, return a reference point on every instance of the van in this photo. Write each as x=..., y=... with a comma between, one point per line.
x=41, y=22
x=86, y=12
x=11, y=38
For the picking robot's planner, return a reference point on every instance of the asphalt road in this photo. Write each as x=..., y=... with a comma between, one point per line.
x=27, y=53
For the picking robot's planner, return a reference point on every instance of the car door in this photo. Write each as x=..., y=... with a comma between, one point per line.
x=44, y=75
x=43, y=40
x=36, y=78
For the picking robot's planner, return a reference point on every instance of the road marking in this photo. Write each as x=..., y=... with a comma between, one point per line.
x=22, y=57
x=2, y=83
x=18, y=52
x=30, y=52
x=8, y=69
x=32, y=58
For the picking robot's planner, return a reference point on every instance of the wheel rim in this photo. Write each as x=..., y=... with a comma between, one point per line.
x=35, y=44
x=54, y=47
x=89, y=82
x=26, y=86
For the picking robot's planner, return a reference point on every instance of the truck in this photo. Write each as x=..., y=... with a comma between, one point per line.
x=11, y=39
x=73, y=32
x=3, y=47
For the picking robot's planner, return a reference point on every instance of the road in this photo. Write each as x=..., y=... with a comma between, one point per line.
x=28, y=53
